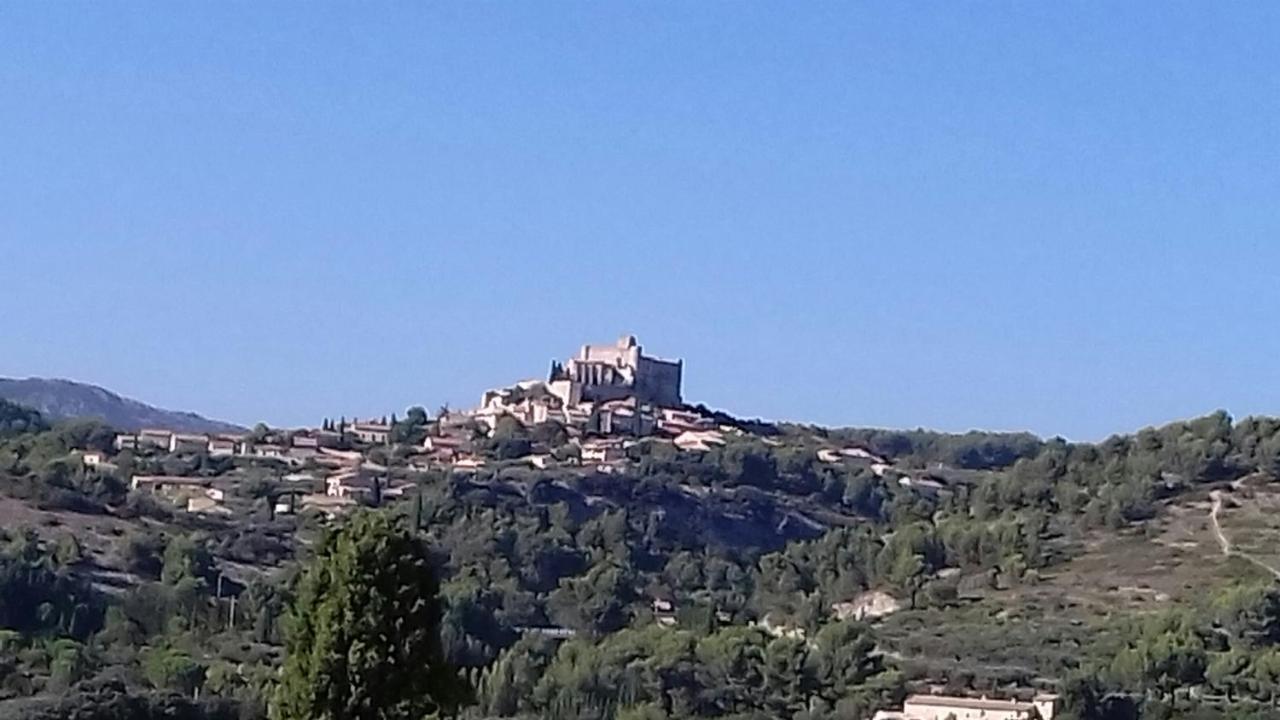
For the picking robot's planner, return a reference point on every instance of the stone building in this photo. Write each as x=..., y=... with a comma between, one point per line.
x=608, y=372
x=947, y=707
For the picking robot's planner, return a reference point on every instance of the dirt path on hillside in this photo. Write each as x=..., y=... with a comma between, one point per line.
x=1224, y=542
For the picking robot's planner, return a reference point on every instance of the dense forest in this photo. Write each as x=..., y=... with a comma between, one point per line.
x=688, y=585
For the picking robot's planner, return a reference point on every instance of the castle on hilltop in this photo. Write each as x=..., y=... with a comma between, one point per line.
x=600, y=373
x=604, y=390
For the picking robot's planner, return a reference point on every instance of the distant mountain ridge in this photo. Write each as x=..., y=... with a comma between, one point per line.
x=59, y=399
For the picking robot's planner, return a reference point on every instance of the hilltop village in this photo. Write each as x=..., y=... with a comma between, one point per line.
x=593, y=522
x=597, y=415
x=587, y=414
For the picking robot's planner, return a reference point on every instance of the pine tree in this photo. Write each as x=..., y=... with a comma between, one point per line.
x=363, y=635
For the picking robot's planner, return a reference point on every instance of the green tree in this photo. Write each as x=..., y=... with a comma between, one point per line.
x=186, y=558
x=1228, y=673
x=260, y=433
x=363, y=635
x=595, y=602
x=1250, y=615
x=1266, y=673
x=68, y=551
x=174, y=670
x=417, y=415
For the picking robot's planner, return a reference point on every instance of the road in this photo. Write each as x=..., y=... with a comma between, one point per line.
x=1224, y=542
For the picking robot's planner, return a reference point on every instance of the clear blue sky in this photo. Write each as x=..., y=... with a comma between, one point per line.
x=1060, y=217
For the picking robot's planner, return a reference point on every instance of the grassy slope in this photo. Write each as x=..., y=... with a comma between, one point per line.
x=1042, y=629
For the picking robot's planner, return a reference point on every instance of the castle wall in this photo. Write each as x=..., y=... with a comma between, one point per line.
x=605, y=393
x=658, y=381
x=611, y=354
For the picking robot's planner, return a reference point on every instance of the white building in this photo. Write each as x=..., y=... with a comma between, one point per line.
x=93, y=458
x=950, y=707
x=182, y=442
x=373, y=433
x=126, y=442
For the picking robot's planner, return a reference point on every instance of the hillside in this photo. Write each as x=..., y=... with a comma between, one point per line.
x=709, y=579
x=58, y=399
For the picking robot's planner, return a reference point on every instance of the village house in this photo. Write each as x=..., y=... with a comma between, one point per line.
x=488, y=417
x=182, y=442
x=221, y=446
x=155, y=438
x=950, y=707
x=625, y=417
x=348, y=485
x=664, y=612
x=577, y=416
x=207, y=505
x=674, y=421
x=529, y=401
x=167, y=483
x=267, y=450
x=93, y=458
x=370, y=432
x=126, y=442
x=602, y=451
x=446, y=444
x=327, y=438
x=300, y=440
x=698, y=440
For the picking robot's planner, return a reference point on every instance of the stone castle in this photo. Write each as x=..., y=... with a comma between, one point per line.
x=604, y=389
x=600, y=373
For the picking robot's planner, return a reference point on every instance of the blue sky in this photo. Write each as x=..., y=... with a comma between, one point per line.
x=1059, y=217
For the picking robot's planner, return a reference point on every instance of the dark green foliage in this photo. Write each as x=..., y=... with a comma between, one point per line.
x=363, y=634
x=37, y=597
x=18, y=419
x=973, y=450
x=115, y=701
x=412, y=429
x=677, y=674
